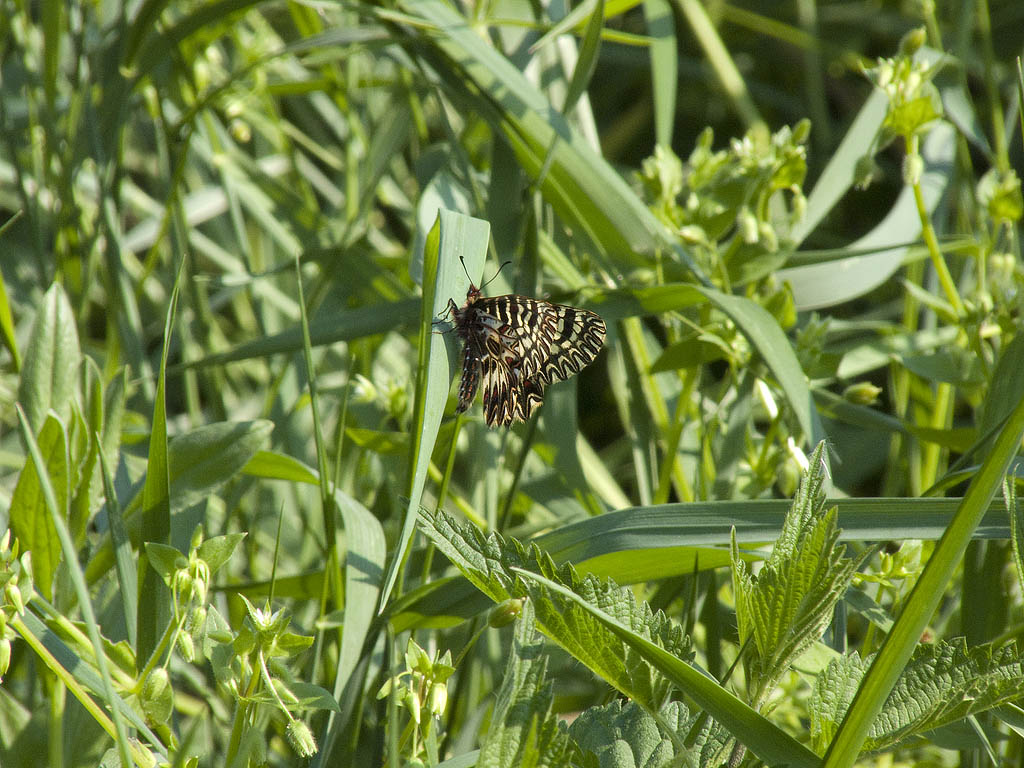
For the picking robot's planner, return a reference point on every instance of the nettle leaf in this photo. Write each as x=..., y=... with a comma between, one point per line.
x=524, y=731
x=942, y=683
x=487, y=561
x=788, y=604
x=623, y=734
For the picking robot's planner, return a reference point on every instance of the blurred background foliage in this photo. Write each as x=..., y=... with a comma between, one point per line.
x=799, y=221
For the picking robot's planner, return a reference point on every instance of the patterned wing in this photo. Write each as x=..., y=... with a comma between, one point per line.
x=552, y=341
x=531, y=394
x=516, y=346
x=470, y=380
x=575, y=341
x=502, y=396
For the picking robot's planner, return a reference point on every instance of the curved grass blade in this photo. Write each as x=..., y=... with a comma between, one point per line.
x=776, y=351
x=456, y=244
x=585, y=190
x=839, y=280
x=920, y=607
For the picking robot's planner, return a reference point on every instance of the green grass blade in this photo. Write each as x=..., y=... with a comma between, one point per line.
x=608, y=545
x=824, y=285
x=77, y=675
x=777, y=352
x=460, y=245
x=7, y=332
x=587, y=60
x=585, y=190
x=841, y=171
x=340, y=326
x=57, y=515
x=155, y=604
x=664, y=54
x=925, y=597
x=127, y=576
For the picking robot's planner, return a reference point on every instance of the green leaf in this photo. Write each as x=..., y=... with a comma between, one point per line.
x=1016, y=514
x=588, y=53
x=216, y=551
x=758, y=734
x=524, y=730
x=278, y=466
x=157, y=697
x=942, y=683
x=366, y=554
x=310, y=697
x=29, y=520
x=7, y=332
x=771, y=343
x=787, y=605
x=165, y=560
x=488, y=562
x=920, y=607
x=80, y=676
x=867, y=356
x=637, y=651
x=340, y=326
x=458, y=243
x=664, y=53
x=1007, y=385
x=622, y=734
x=955, y=365
x=49, y=378
x=203, y=459
x=583, y=188
x=887, y=246
x=154, y=606
x=691, y=353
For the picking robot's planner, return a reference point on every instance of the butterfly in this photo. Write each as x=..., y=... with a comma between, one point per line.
x=517, y=346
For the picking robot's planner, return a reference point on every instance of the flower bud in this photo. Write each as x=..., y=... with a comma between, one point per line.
x=301, y=738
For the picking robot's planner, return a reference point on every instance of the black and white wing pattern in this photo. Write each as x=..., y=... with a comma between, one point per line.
x=516, y=346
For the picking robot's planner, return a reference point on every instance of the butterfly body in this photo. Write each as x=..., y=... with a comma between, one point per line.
x=516, y=346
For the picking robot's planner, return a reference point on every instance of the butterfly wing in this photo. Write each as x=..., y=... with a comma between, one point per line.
x=502, y=396
x=516, y=346
x=536, y=337
x=574, y=339
x=470, y=380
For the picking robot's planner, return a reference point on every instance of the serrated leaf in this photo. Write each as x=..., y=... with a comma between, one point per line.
x=621, y=734
x=788, y=604
x=523, y=723
x=1016, y=514
x=763, y=738
x=941, y=684
x=489, y=563
x=640, y=653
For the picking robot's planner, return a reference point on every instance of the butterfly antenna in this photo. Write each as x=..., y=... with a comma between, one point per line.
x=495, y=275
x=462, y=260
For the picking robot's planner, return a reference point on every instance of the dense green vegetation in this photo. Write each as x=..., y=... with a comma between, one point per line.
x=774, y=522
